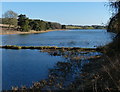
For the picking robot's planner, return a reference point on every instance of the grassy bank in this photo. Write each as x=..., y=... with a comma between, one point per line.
x=7, y=32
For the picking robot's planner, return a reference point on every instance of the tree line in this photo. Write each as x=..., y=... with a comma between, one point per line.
x=23, y=23
x=85, y=27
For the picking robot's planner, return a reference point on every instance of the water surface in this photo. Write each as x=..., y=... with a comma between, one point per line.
x=22, y=67
x=69, y=38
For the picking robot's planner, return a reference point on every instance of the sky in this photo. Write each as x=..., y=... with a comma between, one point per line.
x=69, y=13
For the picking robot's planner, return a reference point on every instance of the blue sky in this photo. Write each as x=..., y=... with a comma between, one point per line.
x=77, y=13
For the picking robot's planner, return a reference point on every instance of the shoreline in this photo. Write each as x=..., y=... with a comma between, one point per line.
x=50, y=47
x=30, y=32
x=10, y=32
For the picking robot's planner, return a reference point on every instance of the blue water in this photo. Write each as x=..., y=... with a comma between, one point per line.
x=22, y=67
x=69, y=38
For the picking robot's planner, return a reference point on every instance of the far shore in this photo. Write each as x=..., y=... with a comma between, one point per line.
x=5, y=32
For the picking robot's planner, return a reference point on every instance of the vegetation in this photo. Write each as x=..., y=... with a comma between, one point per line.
x=24, y=24
x=114, y=26
x=104, y=73
x=85, y=27
x=63, y=74
x=50, y=47
x=10, y=18
x=101, y=73
x=27, y=24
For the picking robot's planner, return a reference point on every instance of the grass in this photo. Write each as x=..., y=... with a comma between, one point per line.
x=49, y=47
x=101, y=74
x=62, y=70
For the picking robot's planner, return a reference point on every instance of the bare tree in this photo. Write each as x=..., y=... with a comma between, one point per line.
x=10, y=18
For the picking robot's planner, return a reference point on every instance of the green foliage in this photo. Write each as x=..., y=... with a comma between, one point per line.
x=49, y=25
x=9, y=18
x=23, y=22
x=63, y=26
x=85, y=27
x=9, y=21
x=27, y=24
x=35, y=25
x=43, y=25
x=53, y=25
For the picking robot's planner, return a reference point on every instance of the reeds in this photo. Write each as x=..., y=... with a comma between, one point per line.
x=50, y=47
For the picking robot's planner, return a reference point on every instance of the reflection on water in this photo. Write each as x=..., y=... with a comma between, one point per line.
x=22, y=67
x=70, y=38
x=65, y=73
